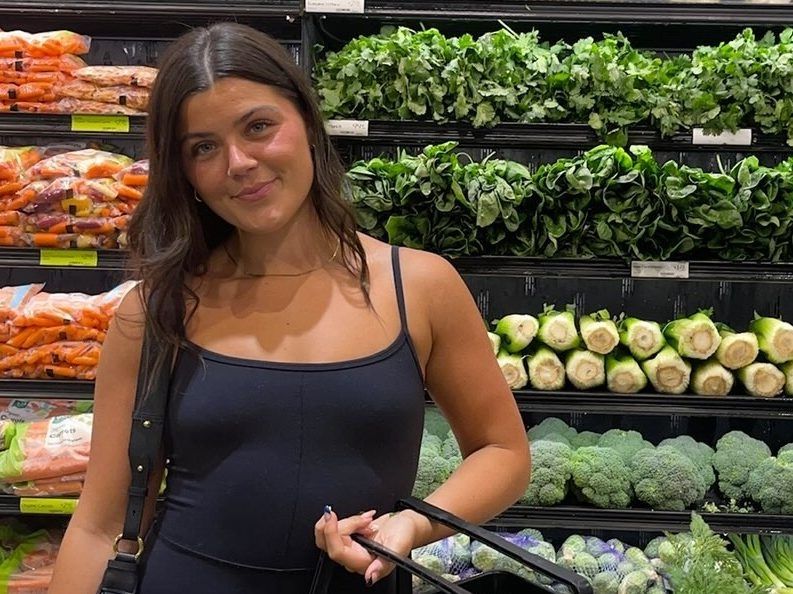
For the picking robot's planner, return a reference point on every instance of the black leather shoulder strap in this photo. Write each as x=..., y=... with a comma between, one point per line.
x=147, y=428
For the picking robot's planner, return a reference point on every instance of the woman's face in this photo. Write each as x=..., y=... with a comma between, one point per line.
x=246, y=151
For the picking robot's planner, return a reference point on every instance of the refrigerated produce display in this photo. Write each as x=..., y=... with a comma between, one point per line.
x=613, y=180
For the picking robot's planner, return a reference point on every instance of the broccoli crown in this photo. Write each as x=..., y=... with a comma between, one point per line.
x=552, y=425
x=551, y=468
x=585, y=439
x=771, y=484
x=602, y=478
x=433, y=469
x=450, y=448
x=665, y=479
x=786, y=448
x=736, y=456
x=625, y=443
x=556, y=437
x=435, y=423
x=700, y=454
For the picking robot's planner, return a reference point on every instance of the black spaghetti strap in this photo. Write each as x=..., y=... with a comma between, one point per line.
x=400, y=294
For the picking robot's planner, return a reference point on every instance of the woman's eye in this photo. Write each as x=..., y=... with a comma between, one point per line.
x=258, y=127
x=203, y=149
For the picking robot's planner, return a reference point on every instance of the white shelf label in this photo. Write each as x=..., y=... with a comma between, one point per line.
x=742, y=137
x=343, y=6
x=644, y=269
x=347, y=127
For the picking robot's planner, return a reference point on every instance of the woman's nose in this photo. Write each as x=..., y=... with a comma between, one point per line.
x=240, y=162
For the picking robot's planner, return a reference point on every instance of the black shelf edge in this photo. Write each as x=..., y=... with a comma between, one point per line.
x=46, y=389
x=583, y=518
x=662, y=13
x=11, y=257
x=60, y=126
x=87, y=8
x=603, y=402
x=549, y=135
x=614, y=268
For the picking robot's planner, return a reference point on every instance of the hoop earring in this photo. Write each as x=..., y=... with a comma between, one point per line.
x=195, y=196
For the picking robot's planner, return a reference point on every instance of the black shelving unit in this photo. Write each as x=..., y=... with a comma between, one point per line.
x=60, y=126
x=46, y=389
x=587, y=518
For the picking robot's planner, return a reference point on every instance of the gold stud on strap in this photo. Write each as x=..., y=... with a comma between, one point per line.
x=147, y=424
x=120, y=537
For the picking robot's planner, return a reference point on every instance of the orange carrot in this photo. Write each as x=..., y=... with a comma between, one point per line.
x=133, y=179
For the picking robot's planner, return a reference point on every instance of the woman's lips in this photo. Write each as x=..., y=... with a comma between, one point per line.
x=255, y=193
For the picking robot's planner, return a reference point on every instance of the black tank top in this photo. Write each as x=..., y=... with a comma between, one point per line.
x=257, y=448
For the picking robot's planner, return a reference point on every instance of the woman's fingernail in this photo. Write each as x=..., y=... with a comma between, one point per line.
x=370, y=513
x=373, y=579
x=369, y=582
x=327, y=511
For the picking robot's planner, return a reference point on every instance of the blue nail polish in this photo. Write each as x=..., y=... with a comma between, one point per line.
x=328, y=509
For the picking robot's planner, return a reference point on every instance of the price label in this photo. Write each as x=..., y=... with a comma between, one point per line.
x=742, y=137
x=100, y=123
x=46, y=505
x=644, y=269
x=84, y=258
x=342, y=6
x=347, y=127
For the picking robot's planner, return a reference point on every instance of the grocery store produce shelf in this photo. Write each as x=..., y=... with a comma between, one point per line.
x=692, y=13
x=604, y=402
x=12, y=257
x=38, y=125
x=46, y=389
x=553, y=135
x=588, y=518
x=615, y=268
x=87, y=8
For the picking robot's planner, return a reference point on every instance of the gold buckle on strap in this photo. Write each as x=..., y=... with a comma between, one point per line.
x=120, y=537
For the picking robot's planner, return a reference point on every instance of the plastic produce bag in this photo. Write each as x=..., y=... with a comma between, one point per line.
x=132, y=97
x=66, y=63
x=64, y=486
x=12, y=237
x=12, y=299
x=87, y=163
x=110, y=76
x=52, y=448
x=13, y=161
x=62, y=359
x=21, y=77
x=16, y=44
x=74, y=241
x=22, y=198
x=136, y=175
x=77, y=197
x=71, y=105
x=33, y=336
x=15, y=410
x=32, y=91
x=63, y=223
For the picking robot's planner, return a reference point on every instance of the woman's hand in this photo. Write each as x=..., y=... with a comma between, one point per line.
x=394, y=531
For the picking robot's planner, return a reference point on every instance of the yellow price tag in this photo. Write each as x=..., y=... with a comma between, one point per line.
x=46, y=505
x=86, y=258
x=100, y=123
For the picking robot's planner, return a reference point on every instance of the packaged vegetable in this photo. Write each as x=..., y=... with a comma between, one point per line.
x=17, y=44
x=24, y=197
x=87, y=163
x=64, y=223
x=51, y=448
x=42, y=371
x=12, y=299
x=14, y=410
x=133, y=97
x=66, y=354
x=34, y=336
x=21, y=77
x=58, y=309
x=136, y=175
x=109, y=76
x=65, y=486
x=12, y=237
x=13, y=161
x=66, y=63
x=77, y=197
x=32, y=581
x=32, y=91
x=71, y=105
x=83, y=241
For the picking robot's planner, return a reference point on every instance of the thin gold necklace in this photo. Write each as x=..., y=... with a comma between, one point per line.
x=287, y=274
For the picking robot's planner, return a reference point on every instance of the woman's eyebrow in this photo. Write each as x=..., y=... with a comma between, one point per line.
x=244, y=117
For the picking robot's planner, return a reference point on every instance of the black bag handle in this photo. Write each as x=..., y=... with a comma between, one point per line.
x=148, y=420
x=578, y=584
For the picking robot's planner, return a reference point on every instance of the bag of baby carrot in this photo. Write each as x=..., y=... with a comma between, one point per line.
x=51, y=448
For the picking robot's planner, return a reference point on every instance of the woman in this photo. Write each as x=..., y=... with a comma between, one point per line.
x=304, y=349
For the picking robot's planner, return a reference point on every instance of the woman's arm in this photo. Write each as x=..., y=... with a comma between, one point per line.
x=87, y=544
x=466, y=383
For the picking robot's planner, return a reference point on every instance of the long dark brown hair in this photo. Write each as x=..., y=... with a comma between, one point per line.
x=171, y=235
